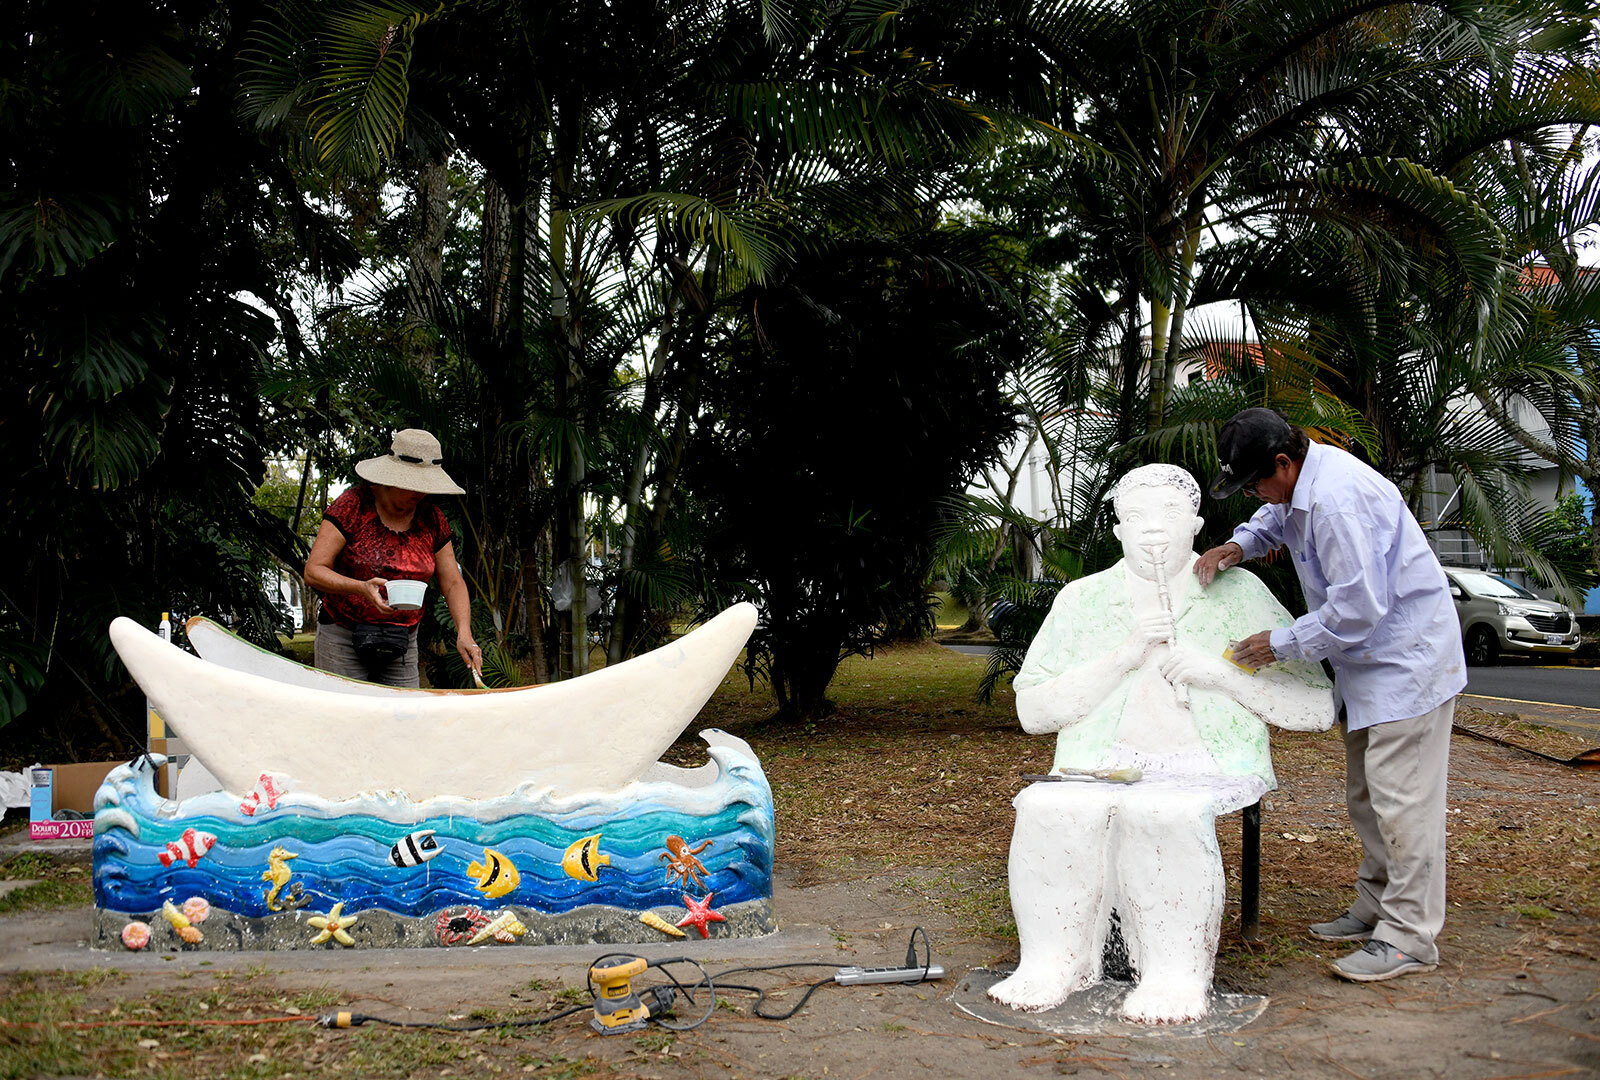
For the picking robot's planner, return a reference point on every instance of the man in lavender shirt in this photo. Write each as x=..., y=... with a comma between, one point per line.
x=1379, y=611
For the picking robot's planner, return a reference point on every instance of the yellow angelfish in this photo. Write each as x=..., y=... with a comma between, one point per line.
x=496, y=874
x=583, y=859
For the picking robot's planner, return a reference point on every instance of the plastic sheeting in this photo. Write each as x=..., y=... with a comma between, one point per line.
x=14, y=789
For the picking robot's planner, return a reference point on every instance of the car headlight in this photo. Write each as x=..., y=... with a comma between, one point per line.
x=1511, y=609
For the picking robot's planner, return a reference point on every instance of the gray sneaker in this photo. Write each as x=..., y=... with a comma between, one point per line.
x=1376, y=961
x=1345, y=928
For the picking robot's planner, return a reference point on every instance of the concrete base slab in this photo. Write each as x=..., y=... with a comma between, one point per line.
x=1098, y=1011
x=18, y=842
x=593, y=924
x=59, y=939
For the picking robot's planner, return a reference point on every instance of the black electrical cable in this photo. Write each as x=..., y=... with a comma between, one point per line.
x=707, y=981
x=755, y=1009
x=761, y=994
x=687, y=991
x=927, y=952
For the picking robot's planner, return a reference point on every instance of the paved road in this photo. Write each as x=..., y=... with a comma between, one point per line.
x=1528, y=681
x=1513, y=680
x=1563, y=697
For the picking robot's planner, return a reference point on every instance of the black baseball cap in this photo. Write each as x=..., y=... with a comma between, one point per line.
x=1248, y=447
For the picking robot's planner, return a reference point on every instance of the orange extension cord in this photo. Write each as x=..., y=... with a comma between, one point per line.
x=159, y=1023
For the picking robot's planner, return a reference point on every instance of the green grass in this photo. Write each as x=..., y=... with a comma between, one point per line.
x=59, y=883
x=314, y=1000
x=301, y=648
x=556, y=1066
x=950, y=612
x=47, y=894
x=37, y=864
x=654, y=1042
x=290, y=1047
x=980, y=902
x=1258, y=959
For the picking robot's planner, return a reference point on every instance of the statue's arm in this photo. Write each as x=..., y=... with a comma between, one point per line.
x=1295, y=696
x=1285, y=697
x=1070, y=667
x=1069, y=697
x=1292, y=700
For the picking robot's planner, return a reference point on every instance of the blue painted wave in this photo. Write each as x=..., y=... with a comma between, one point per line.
x=341, y=848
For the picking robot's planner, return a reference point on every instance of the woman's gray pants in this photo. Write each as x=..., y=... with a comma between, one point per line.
x=336, y=653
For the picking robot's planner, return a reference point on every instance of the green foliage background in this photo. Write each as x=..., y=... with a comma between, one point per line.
x=716, y=301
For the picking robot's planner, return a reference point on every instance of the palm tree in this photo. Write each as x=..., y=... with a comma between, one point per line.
x=641, y=171
x=1177, y=119
x=134, y=216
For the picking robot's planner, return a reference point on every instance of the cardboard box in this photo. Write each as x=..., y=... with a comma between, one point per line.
x=52, y=788
x=177, y=755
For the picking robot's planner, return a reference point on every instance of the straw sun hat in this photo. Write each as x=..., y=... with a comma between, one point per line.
x=414, y=462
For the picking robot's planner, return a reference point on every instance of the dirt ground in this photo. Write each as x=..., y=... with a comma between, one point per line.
x=885, y=827
x=1509, y=1001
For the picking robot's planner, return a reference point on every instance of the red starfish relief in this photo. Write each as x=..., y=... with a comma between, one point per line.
x=699, y=914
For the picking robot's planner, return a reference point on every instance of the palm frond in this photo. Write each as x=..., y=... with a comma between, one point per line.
x=744, y=231
x=359, y=112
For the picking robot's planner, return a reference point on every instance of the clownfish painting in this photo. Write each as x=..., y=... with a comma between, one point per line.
x=265, y=791
x=188, y=848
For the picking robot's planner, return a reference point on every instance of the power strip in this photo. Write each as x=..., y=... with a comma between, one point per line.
x=855, y=976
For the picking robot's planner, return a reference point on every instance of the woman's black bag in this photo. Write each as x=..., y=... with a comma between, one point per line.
x=377, y=644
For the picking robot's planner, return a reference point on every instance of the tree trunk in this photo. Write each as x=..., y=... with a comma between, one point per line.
x=425, y=263
x=572, y=549
x=533, y=604
x=1132, y=362
x=634, y=494
x=1167, y=342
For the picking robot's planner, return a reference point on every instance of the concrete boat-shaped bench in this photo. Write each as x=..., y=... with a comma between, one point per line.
x=356, y=815
x=337, y=737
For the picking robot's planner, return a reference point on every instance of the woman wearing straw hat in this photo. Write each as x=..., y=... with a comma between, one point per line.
x=383, y=531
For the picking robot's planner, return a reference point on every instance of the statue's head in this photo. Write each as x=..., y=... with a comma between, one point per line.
x=1157, y=519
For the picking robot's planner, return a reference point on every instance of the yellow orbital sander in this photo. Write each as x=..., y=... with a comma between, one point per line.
x=618, y=1008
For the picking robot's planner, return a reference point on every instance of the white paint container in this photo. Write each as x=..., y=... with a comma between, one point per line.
x=406, y=595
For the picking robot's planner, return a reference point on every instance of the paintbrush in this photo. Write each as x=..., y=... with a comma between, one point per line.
x=1126, y=774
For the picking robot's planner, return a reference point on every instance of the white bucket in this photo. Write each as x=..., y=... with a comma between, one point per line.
x=406, y=595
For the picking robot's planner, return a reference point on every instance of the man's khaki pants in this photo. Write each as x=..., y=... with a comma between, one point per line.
x=1395, y=789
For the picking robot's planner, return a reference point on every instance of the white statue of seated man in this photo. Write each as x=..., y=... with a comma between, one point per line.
x=1128, y=667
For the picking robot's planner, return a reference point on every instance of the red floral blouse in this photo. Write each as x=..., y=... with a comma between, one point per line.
x=372, y=549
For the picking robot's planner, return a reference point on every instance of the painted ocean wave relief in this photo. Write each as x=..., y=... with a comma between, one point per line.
x=536, y=857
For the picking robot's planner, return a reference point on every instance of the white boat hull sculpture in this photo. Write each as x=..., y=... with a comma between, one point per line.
x=338, y=738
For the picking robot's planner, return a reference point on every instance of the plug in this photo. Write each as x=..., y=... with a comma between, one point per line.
x=342, y=1019
x=659, y=999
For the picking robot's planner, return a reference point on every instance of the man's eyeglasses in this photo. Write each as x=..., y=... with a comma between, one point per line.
x=1250, y=488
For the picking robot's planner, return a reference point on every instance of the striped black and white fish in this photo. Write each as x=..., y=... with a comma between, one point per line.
x=414, y=850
